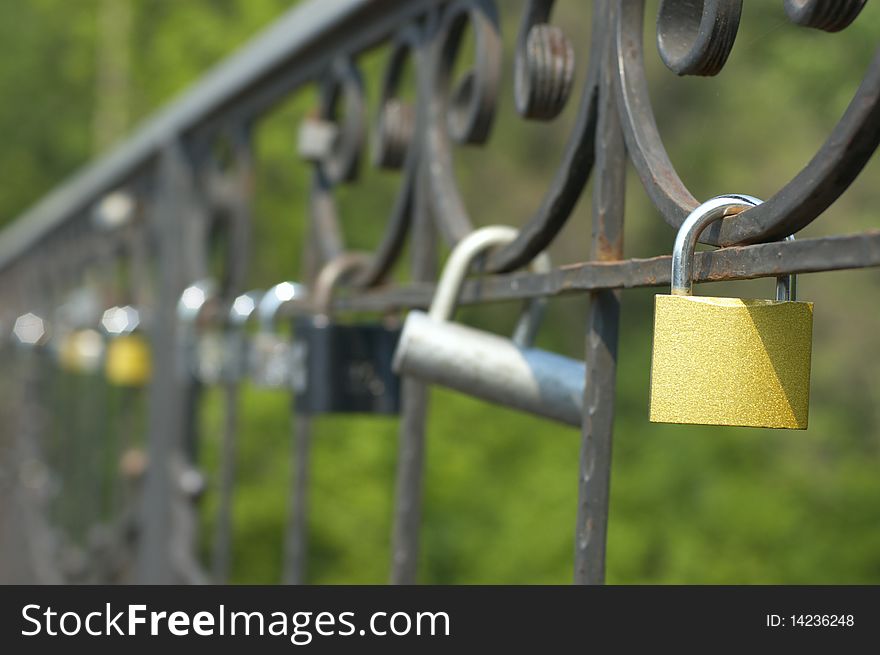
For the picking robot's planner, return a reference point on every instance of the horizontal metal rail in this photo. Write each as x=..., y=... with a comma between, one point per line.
x=240, y=88
x=734, y=263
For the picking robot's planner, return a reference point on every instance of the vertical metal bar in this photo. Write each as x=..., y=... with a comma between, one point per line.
x=296, y=536
x=36, y=545
x=123, y=431
x=95, y=437
x=35, y=541
x=415, y=394
x=410, y=471
x=223, y=533
x=238, y=256
x=128, y=421
x=602, y=330
x=296, y=543
x=161, y=547
x=414, y=412
x=165, y=409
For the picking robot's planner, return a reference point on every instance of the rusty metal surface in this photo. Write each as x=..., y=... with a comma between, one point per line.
x=406, y=527
x=735, y=263
x=603, y=327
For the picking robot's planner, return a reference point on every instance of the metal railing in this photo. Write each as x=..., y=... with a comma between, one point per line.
x=154, y=205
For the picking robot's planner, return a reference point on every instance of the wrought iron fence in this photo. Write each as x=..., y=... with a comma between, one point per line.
x=148, y=215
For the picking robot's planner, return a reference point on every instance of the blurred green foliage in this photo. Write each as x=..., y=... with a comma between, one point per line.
x=689, y=504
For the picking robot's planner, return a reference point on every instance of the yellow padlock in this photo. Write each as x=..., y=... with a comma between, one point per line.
x=728, y=361
x=80, y=351
x=128, y=362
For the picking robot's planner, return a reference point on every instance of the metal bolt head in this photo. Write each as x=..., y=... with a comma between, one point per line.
x=120, y=320
x=30, y=329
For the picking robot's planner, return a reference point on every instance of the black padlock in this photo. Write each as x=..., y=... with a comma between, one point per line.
x=347, y=365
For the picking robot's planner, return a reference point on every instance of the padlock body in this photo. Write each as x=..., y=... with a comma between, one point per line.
x=81, y=351
x=237, y=356
x=492, y=368
x=731, y=361
x=210, y=354
x=271, y=361
x=347, y=367
x=128, y=362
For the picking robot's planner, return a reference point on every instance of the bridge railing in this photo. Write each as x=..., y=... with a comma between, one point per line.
x=150, y=213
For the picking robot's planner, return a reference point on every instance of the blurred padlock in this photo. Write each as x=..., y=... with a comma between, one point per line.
x=214, y=350
x=236, y=361
x=210, y=357
x=274, y=361
x=487, y=366
x=78, y=347
x=728, y=361
x=128, y=362
x=81, y=351
x=347, y=366
x=201, y=346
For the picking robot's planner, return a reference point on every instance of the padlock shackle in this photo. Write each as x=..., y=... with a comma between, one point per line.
x=194, y=298
x=460, y=260
x=689, y=234
x=333, y=273
x=786, y=285
x=275, y=298
x=119, y=320
x=690, y=231
x=243, y=307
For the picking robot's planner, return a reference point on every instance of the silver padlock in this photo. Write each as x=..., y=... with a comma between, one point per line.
x=237, y=347
x=275, y=362
x=487, y=366
x=210, y=357
x=201, y=350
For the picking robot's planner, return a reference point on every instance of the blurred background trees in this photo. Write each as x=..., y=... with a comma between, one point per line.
x=689, y=504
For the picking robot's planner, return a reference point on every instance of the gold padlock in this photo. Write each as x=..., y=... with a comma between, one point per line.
x=728, y=361
x=128, y=361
